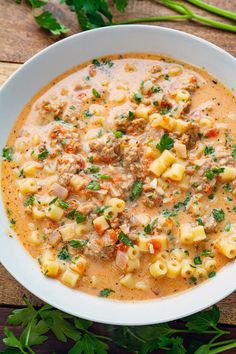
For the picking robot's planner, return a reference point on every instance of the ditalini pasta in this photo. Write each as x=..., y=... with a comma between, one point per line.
x=119, y=177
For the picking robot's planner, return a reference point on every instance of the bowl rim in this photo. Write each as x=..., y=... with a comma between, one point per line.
x=148, y=314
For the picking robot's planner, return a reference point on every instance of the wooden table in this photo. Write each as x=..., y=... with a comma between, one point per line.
x=20, y=38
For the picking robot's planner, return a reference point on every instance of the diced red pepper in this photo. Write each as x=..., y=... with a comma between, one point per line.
x=211, y=133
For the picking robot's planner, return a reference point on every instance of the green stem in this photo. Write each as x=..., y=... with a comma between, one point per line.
x=152, y=19
x=223, y=348
x=134, y=335
x=178, y=7
x=222, y=342
x=214, y=9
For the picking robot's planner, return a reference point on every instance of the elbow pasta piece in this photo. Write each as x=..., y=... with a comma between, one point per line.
x=158, y=269
x=175, y=172
x=206, y=122
x=200, y=273
x=170, y=124
x=209, y=264
x=31, y=167
x=189, y=234
x=100, y=224
x=37, y=213
x=35, y=238
x=175, y=70
x=198, y=233
x=67, y=231
x=28, y=186
x=173, y=268
x=133, y=252
x=143, y=111
x=229, y=174
x=117, y=204
x=133, y=265
x=186, y=270
x=79, y=265
x=180, y=150
x=81, y=229
x=186, y=235
x=110, y=213
x=54, y=212
x=128, y=281
x=35, y=140
x=178, y=254
x=182, y=95
x=227, y=247
x=97, y=109
x=70, y=278
x=161, y=164
x=77, y=183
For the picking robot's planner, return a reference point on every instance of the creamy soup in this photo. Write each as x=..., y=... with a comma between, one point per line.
x=119, y=177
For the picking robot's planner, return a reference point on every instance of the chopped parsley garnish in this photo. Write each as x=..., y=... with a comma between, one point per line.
x=43, y=155
x=7, y=153
x=199, y=221
x=165, y=110
x=211, y=274
x=155, y=89
x=131, y=115
x=166, y=143
x=138, y=97
x=192, y=280
x=233, y=153
x=206, y=253
x=101, y=209
x=123, y=238
x=93, y=185
x=166, y=77
x=57, y=119
x=212, y=172
x=29, y=201
x=209, y=150
x=78, y=243
x=106, y=292
x=227, y=187
x=149, y=227
x=105, y=177
x=118, y=133
x=136, y=190
x=64, y=254
x=93, y=169
x=90, y=159
x=218, y=214
x=53, y=201
x=76, y=215
x=197, y=260
x=95, y=93
x=72, y=107
x=63, y=204
x=13, y=222
x=228, y=226
x=96, y=62
x=87, y=113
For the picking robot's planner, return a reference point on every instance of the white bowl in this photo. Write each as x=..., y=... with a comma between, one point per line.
x=18, y=90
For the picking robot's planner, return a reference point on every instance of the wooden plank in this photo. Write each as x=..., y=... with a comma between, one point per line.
x=54, y=346
x=11, y=291
x=21, y=37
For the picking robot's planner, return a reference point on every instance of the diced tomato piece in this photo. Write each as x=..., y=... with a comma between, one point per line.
x=156, y=245
x=122, y=246
x=211, y=133
x=208, y=189
x=112, y=234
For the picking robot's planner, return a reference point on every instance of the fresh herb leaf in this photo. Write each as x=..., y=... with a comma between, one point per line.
x=138, y=97
x=199, y=221
x=30, y=200
x=218, y=214
x=7, y=153
x=166, y=143
x=93, y=185
x=63, y=204
x=47, y=21
x=209, y=150
x=78, y=243
x=227, y=187
x=64, y=254
x=136, y=190
x=100, y=210
x=228, y=226
x=89, y=344
x=43, y=155
x=233, y=153
x=212, y=172
x=197, y=260
x=203, y=320
x=77, y=216
x=93, y=169
x=53, y=201
x=211, y=274
x=106, y=292
x=123, y=238
x=149, y=228
x=95, y=93
x=118, y=134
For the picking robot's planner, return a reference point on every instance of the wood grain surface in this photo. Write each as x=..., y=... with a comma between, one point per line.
x=20, y=38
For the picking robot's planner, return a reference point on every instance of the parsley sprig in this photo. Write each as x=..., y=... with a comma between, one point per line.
x=34, y=325
x=93, y=14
